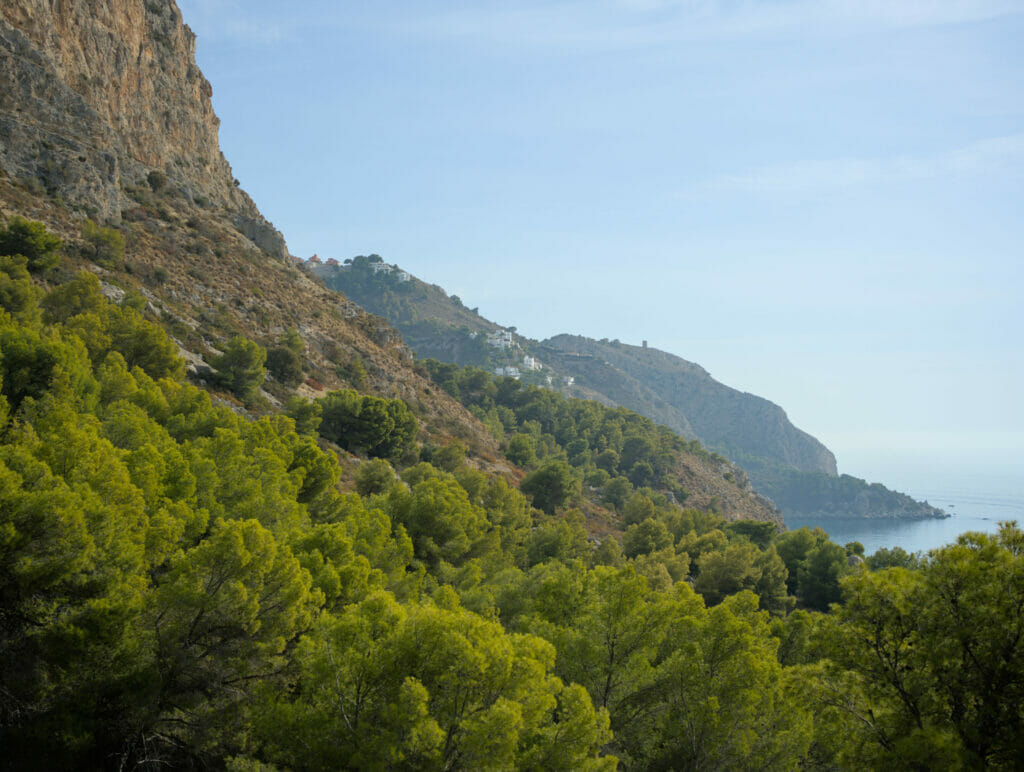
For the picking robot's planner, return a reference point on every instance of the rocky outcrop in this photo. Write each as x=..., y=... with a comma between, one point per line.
x=102, y=95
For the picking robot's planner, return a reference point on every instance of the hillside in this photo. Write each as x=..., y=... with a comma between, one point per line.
x=106, y=116
x=733, y=422
x=786, y=464
x=108, y=120
x=242, y=529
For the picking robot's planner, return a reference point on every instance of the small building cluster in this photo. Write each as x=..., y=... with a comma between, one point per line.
x=530, y=364
x=377, y=267
x=500, y=339
x=387, y=268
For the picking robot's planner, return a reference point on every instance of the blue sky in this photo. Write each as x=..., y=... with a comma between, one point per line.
x=819, y=202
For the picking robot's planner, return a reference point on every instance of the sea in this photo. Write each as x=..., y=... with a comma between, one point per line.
x=975, y=502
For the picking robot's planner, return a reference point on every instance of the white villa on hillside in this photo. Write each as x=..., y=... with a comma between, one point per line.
x=500, y=339
x=530, y=363
x=508, y=372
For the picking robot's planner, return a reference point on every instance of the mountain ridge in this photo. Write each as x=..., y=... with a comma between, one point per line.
x=696, y=394
x=789, y=466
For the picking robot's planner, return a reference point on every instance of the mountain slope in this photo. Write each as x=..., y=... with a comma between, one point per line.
x=733, y=422
x=107, y=118
x=784, y=463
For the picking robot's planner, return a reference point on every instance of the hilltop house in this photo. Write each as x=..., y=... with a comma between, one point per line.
x=500, y=339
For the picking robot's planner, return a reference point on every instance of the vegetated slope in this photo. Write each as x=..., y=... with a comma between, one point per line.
x=730, y=421
x=106, y=116
x=184, y=586
x=432, y=323
x=784, y=463
x=437, y=326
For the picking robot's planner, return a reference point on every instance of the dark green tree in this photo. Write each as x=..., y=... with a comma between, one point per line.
x=285, y=365
x=31, y=240
x=240, y=367
x=551, y=486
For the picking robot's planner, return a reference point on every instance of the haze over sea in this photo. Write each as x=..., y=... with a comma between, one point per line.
x=978, y=492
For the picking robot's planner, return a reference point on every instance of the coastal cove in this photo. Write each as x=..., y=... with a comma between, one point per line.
x=969, y=509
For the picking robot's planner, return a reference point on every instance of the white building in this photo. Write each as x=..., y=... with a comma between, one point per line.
x=508, y=372
x=382, y=267
x=569, y=380
x=403, y=276
x=530, y=363
x=500, y=339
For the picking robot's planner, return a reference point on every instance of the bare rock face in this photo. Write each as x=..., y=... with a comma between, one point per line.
x=96, y=95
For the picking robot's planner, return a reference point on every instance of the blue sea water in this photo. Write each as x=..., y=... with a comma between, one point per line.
x=977, y=505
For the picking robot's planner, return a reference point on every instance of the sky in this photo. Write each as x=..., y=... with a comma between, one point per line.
x=820, y=202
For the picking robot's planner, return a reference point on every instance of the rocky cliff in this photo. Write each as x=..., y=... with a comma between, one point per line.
x=99, y=96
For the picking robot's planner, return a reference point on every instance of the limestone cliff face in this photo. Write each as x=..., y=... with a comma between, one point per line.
x=97, y=94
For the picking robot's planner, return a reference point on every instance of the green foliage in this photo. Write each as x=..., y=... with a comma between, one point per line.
x=183, y=587
x=381, y=428
x=156, y=180
x=306, y=414
x=450, y=457
x=617, y=492
x=930, y=662
x=892, y=558
x=430, y=688
x=105, y=245
x=79, y=306
x=759, y=533
x=240, y=367
x=439, y=518
x=819, y=574
x=285, y=365
x=643, y=538
x=521, y=451
x=18, y=295
x=558, y=538
x=374, y=477
x=551, y=486
x=32, y=241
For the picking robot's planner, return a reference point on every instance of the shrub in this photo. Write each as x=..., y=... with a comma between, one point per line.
x=285, y=365
x=157, y=180
x=381, y=428
x=33, y=241
x=374, y=476
x=105, y=245
x=240, y=367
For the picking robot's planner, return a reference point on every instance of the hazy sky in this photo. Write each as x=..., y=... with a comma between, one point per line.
x=818, y=201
